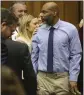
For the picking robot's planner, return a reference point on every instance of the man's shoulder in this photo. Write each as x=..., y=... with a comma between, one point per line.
x=68, y=28
x=67, y=24
x=15, y=44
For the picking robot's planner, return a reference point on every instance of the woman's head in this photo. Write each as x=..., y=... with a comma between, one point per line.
x=27, y=24
x=33, y=24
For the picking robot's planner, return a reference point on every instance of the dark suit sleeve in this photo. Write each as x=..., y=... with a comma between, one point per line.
x=30, y=80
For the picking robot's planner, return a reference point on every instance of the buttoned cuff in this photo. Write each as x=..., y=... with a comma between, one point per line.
x=73, y=77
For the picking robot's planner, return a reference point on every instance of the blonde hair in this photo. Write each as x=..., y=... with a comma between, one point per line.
x=81, y=23
x=24, y=22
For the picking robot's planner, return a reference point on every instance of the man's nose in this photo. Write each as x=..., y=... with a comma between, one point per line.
x=23, y=13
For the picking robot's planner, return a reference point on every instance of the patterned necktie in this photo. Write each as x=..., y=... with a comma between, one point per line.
x=50, y=51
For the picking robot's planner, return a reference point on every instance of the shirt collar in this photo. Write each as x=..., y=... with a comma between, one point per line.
x=48, y=27
x=57, y=24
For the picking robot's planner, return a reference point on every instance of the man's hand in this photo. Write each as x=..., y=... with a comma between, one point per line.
x=73, y=88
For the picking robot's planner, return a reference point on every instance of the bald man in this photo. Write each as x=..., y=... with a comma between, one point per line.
x=56, y=54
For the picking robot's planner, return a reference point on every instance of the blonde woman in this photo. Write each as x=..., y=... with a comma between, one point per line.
x=27, y=25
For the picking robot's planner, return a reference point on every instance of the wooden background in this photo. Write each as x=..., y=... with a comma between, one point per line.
x=71, y=11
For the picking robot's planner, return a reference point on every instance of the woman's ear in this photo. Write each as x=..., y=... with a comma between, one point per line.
x=28, y=26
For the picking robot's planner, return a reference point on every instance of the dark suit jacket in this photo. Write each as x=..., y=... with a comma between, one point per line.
x=4, y=51
x=19, y=59
x=80, y=77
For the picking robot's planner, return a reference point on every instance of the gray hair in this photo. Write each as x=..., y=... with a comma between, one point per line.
x=11, y=9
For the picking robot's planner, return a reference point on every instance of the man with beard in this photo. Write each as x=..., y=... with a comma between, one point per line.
x=56, y=54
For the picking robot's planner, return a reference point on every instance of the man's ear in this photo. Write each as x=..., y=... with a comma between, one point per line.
x=55, y=13
x=3, y=24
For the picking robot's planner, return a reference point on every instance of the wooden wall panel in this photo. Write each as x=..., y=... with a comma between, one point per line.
x=6, y=4
x=69, y=10
x=30, y=7
x=61, y=7
x=36, y=8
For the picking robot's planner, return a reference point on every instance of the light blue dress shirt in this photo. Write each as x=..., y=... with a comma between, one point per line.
x=66, y=49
